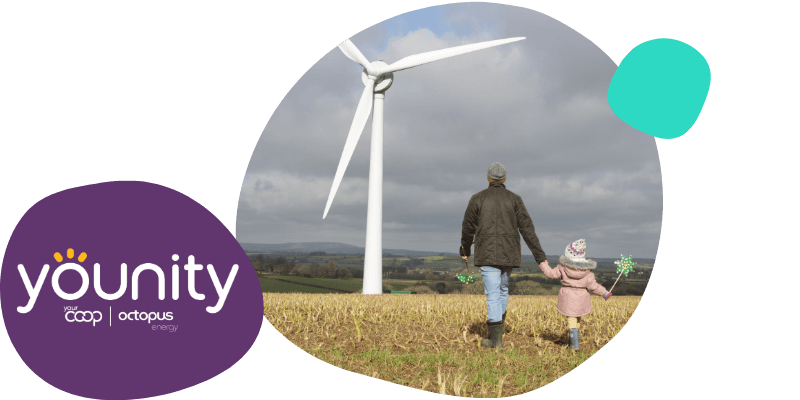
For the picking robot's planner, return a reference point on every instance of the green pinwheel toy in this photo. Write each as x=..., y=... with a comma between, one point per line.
x=465, y=278
x=624, y=266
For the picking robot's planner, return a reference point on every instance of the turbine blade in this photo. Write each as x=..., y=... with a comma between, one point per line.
x=359, y=120
x=436, y=55
x=351, y=51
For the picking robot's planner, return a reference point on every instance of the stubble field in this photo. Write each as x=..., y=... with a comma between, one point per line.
x=431, y=342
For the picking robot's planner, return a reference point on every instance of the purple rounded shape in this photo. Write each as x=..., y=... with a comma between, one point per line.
x=141, y=225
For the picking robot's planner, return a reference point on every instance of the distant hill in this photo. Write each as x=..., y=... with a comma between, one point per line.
x=333, y=247
x=329, y=247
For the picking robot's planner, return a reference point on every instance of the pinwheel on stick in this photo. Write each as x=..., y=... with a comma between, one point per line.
x=465, y=278
x=624, y=266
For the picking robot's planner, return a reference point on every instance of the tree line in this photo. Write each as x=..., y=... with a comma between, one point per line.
x=430, y=281
x=282, y=266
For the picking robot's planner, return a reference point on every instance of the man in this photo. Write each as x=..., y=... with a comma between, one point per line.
x=496, y=217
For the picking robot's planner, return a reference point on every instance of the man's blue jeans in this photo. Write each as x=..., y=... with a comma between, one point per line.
x=495, y=285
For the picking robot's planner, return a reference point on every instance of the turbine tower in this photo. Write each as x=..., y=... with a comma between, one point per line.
x=377, y=77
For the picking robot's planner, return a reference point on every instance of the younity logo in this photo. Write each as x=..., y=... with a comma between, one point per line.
x=191, y=268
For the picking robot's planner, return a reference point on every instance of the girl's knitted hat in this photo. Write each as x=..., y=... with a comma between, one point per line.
x=575, y=256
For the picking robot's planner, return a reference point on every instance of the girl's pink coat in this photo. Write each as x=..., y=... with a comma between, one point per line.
x=573, y=299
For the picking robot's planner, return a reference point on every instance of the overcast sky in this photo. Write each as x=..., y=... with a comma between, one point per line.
x=538, y=106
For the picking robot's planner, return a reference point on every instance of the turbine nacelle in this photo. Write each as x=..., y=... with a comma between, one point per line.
x=382, y=82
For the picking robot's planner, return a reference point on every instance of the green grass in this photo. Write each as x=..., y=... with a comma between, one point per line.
x=274, y=286
x=350, y=285
x=270, y=284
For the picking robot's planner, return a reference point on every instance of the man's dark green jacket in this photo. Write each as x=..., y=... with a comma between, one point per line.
x=496, y=217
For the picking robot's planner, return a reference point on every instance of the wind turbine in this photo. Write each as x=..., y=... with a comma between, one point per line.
x=377, y=77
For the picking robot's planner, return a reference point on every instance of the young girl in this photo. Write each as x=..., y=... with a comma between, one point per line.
x=576, y=275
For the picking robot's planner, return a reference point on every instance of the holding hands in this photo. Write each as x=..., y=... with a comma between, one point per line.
x=545, y=264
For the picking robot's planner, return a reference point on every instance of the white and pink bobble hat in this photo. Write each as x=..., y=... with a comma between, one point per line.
x=575, y=256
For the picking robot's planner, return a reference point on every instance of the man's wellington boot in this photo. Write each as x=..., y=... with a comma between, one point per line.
x=496, y=330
